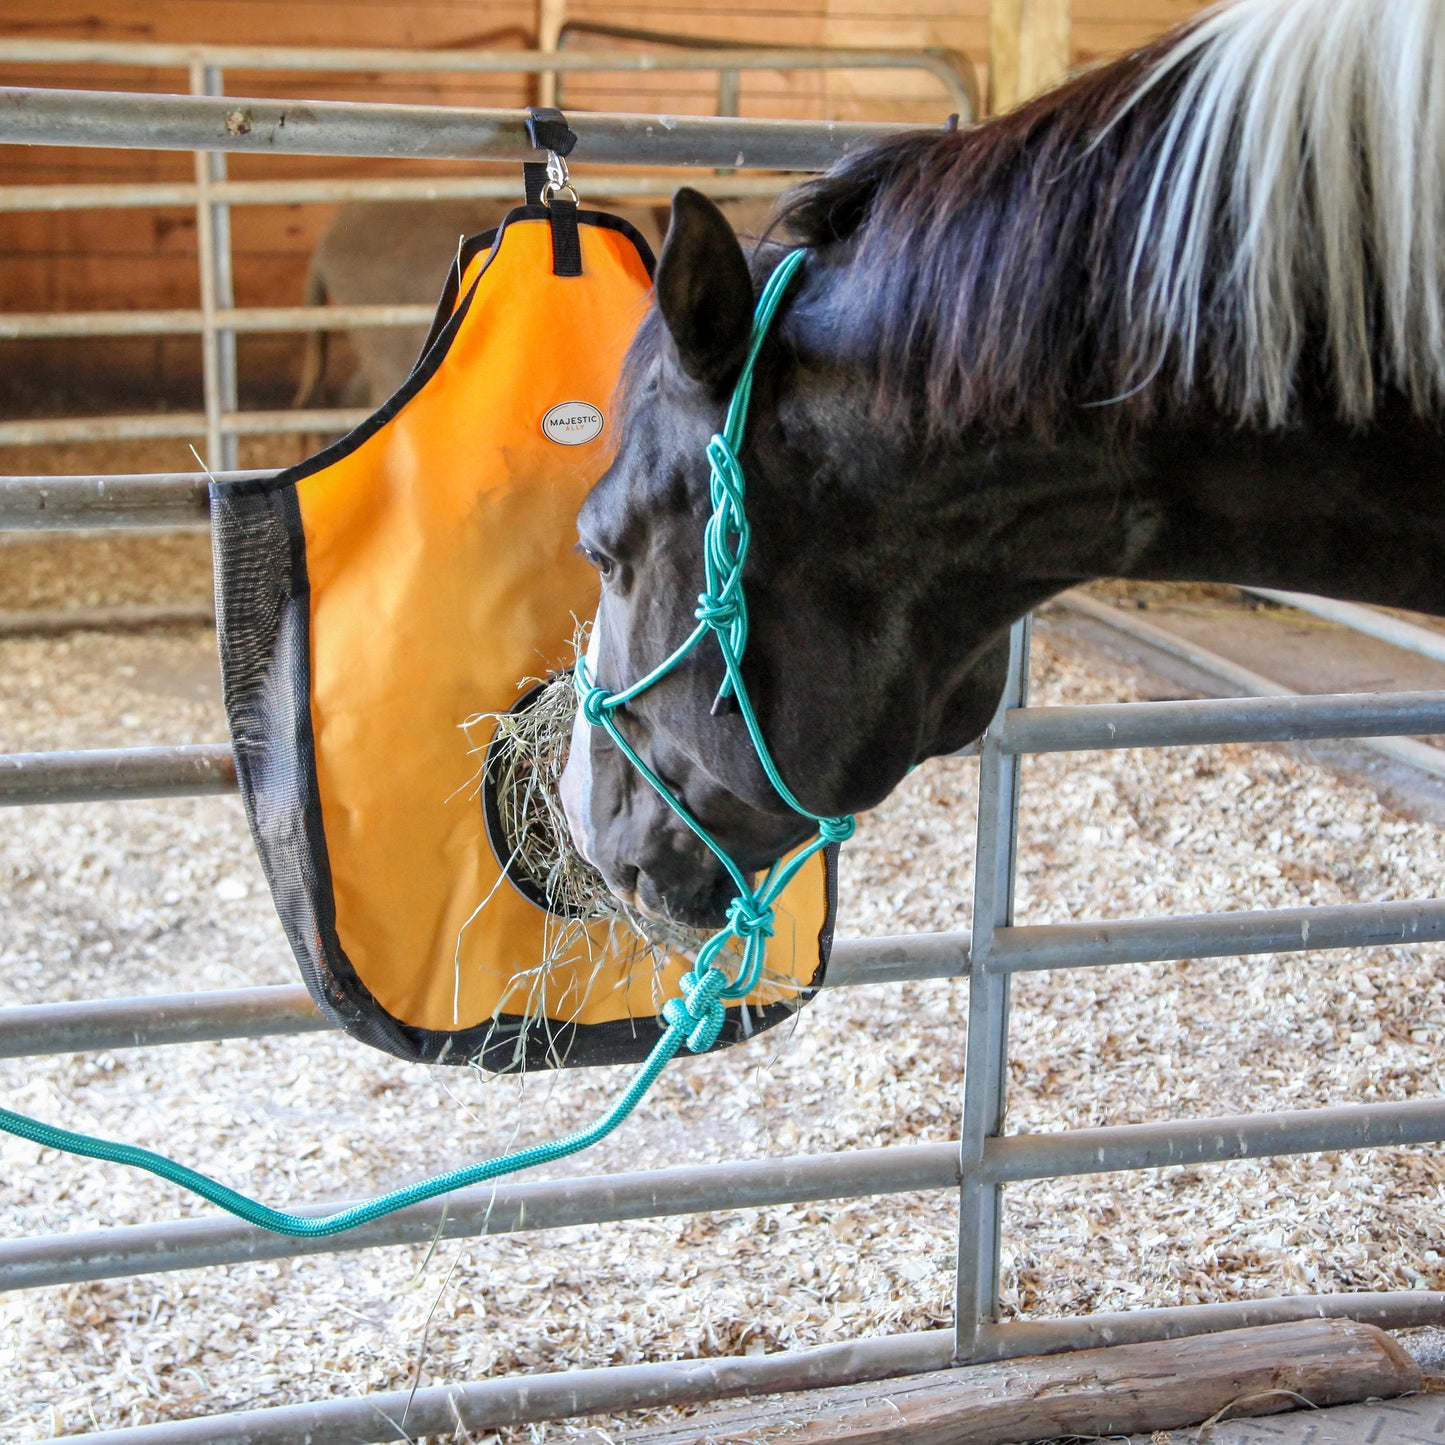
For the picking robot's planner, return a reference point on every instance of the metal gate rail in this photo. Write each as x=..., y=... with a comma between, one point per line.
x=120, y=1023
x=1417, y=755
x=91, y=118
x=747, y=1184
x=949, y=67
x=1368, y=620
x=488, y=1404
x=101, y=774
x=210, y=124
x=986, y=1158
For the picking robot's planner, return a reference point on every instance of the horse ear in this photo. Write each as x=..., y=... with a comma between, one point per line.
x=704, y=290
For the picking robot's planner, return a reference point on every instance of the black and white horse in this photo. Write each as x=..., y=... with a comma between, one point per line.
x=1181, y=319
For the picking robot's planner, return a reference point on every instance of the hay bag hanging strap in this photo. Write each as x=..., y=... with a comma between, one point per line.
x=416, y=575
x=546, y=184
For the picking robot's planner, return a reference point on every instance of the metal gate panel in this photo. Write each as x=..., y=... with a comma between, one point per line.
x=218, y=321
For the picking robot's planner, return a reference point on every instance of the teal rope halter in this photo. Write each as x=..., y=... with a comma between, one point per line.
x=722, y=610
x=696, y=1019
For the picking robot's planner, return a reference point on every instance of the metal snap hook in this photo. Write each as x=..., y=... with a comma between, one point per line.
x=559, y=181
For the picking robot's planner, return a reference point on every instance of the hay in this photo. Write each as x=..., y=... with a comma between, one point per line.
x=525, y=758
x=523, y=753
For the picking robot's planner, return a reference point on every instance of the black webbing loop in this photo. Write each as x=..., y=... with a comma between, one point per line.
x=566, y=242
x=534, y=177
x=548, y=130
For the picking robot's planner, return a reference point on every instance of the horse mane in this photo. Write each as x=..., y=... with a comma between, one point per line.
x=1248, y=209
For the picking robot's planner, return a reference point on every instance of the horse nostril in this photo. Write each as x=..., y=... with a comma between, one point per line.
x=623, y=881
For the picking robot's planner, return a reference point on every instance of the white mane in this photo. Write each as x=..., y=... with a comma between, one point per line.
x=1306, y=156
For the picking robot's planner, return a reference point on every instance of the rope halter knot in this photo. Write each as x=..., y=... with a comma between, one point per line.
x=751, y=918
x=699, y=1010
x=718, y=612
x=594, y=704
x=728, y=481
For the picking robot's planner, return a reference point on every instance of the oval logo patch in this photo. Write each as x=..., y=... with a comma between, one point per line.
x=572, y=423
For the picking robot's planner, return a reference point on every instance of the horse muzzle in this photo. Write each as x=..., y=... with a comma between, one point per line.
x=648, y=857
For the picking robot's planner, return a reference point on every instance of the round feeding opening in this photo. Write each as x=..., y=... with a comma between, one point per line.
x=521, y=806
x=528, y=832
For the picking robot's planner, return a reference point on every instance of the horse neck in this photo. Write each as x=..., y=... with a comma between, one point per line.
x=1357, y=513
x=1317, y=507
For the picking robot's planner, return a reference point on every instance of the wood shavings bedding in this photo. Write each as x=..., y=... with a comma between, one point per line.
x=166, y=896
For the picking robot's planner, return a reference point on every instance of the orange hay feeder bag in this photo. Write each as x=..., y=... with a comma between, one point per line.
x=373, y=599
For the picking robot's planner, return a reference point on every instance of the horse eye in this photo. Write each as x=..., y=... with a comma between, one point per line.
x=596, y=559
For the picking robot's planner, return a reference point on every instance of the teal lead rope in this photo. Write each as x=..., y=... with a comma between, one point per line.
x=696, y=1019
x=682, y=1024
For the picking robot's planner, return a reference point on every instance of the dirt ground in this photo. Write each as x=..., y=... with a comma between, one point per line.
x=164, y=896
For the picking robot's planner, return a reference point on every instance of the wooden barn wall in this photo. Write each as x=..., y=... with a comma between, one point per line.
x=118, y=259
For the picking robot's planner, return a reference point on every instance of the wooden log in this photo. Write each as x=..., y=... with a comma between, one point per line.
x=1029, y=48
x=1128, y=1389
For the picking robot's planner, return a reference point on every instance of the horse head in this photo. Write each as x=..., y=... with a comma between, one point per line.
x=846, y=662
x=1180, y=319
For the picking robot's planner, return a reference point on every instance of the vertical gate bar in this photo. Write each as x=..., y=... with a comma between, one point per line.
x=985, y=1073
x=206, y=260
x=729, y=97
x=729, y=92
x=223, y=269
x=551, y=17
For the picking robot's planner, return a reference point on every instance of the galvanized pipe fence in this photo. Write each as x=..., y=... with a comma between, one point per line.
x=218, y=320
x=987, y=1157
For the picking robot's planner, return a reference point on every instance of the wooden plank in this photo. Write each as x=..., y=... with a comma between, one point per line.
x=1029, y=49
x=786, y=22
x=84, y=282
x=708, y=17
x=165, y=233
x=423, y=23
x=1107, y=38
x=41, y=165
x=134, y=368
x=889, y=103
x=1157, y=14
x=1124, y=1390
x=503, y=90
x=551, y=16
